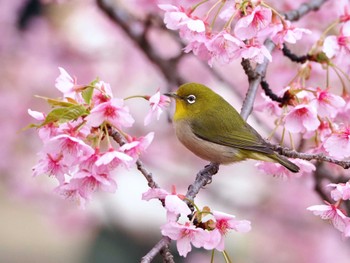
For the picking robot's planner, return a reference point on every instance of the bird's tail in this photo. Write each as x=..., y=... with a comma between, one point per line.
x=285, y=162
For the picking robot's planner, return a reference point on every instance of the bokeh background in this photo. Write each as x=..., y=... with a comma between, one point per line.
x=37, y=225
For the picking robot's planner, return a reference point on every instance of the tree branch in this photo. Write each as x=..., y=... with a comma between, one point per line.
x=203, y=178
x=164, y=242
x=310, y=156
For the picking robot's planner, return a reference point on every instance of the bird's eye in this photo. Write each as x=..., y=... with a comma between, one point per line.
x=191, y=99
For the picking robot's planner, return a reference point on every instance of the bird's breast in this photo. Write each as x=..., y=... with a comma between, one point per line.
x=205, y=149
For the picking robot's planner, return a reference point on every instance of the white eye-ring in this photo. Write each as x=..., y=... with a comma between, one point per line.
x=191, y=99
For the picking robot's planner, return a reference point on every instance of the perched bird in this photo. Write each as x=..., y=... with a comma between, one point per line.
x=213, y=130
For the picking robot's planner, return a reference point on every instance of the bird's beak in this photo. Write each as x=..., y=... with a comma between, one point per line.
x=172, y=95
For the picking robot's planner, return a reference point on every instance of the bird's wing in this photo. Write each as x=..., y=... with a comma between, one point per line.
x=236, y=134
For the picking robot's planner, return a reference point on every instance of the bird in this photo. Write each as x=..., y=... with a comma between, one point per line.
x=207, y=125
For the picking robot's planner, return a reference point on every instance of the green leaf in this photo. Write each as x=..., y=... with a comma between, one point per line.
x=31, y=125
x=59, y=103
x=65, y=114
x=87, y=94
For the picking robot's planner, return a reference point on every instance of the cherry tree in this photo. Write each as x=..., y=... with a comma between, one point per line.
x=294, y=70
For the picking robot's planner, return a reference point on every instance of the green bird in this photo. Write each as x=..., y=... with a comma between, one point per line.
x=212, y=129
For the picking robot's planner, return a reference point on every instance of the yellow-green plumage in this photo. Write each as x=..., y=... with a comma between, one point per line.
x=213, y=130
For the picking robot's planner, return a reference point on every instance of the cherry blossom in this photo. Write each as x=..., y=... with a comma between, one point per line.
x=157, y=102
x=269, y=105
x=47, y=131
x=113, y=112
x=332, y=213
x=177, y=18
x=226, y=222
x=256, y=52
x=301, y=118
x=248, y=26
x=102, y=93
x=326, y=103
x=175, y=206
x=113, y=158
x=84, y=184
x=66, y=84
x=185, y=235
x=52, y=165
x=153, y=193
x=334, y=45
x=341, y=191
x=338, y=144
x=279, y=170
x=288, y=33
x=223, y=47
x=173, y=203
x=73, y=149
x=136, y=146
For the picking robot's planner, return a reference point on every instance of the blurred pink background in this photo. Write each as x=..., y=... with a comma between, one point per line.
x=38, y=226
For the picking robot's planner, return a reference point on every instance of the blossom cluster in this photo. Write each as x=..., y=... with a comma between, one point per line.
x=76, y=149
x=240, y=33
x=321, y=117
x=312, y=112
x=205, y=229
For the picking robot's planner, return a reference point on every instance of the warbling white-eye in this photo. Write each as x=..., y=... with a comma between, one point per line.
x=213, y=130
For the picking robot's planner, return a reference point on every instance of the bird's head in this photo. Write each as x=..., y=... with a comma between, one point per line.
x=192, y=99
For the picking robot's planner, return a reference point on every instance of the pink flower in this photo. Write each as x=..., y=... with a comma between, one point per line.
x=270, y=106
x=332, y=213
x=46, y=132
x=66, y=84
x=301, y=118
x=338, y=144
x=278, y=170
x=327, y=104
x=175, y=207
x=185, y=235
x=223, y=47
x=157, y=103
x=136, y=146
x=175, y=18
x=226, y=222
x=112, y=159
x=52, y=165
x=113, y=112
x=289, y=34
x=75, y=129
x=198, y=46
x=341, y=191
x=335, y=45
x=153, y=193
x=74, y=150
x=248, y=26
x=84, y=184
x=102, y=93
x=256, y=52
x=36, y=115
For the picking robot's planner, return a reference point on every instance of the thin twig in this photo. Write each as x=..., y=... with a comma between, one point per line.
x=310, y=156
x=166, y=254
x=165, y=241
